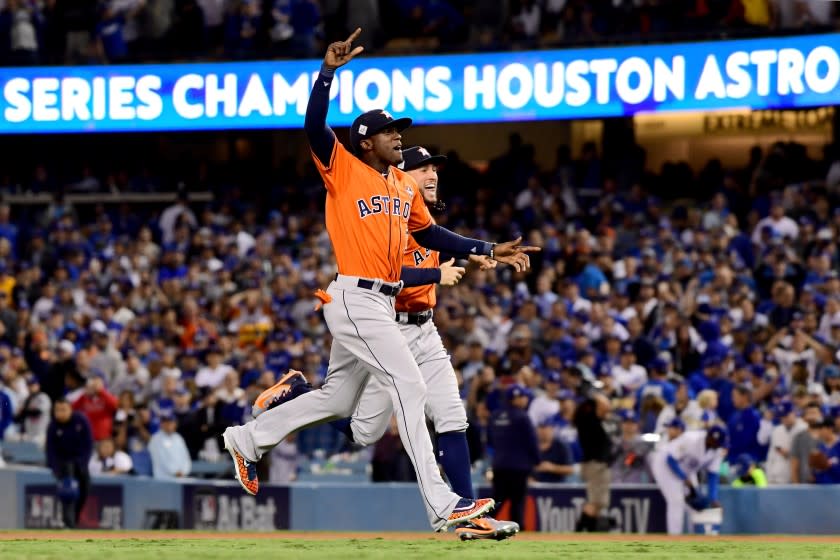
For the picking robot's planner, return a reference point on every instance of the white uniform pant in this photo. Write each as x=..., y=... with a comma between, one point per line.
x=367, y=343
x=673, y=490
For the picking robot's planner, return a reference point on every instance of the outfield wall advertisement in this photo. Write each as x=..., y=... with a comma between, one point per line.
x=556, y=508
x=773, y=73
x=103, y=508
x=215, y=507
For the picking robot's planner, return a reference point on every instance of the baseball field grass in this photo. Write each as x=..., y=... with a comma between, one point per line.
x=174, y=545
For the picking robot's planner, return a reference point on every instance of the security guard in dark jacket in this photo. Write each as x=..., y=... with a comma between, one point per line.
x=69, y=447
x=515, y=450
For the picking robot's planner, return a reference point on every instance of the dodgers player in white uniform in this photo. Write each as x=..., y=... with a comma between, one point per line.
x=676, y=465
x=444, y=406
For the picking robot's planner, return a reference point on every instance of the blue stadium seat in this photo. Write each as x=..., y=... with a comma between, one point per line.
x=23, y=452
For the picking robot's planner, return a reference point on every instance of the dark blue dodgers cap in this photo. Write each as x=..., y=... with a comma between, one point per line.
x=371, y=123
x=783, y=408
x=627, y=415
x=418, y=156
x=518, y=390
x=718, y=434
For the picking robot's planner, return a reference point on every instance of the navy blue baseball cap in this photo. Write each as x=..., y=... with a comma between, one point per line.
x=167, y=414
x=758, y=370
x=371, y=123
x=517, y=390
x=676, y=422
x=743, y=463
x=552, y=376
x=719, y=435
x=783, y=408
x=831, y=371
x=418, y=156
x=658, y=364
x=627, y=415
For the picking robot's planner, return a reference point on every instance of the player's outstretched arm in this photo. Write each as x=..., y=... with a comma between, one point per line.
x=447, y=275
x=321, y=137
x=441, y=239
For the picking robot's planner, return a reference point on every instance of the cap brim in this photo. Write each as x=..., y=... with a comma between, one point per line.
x=434, y=160
x=400, y=124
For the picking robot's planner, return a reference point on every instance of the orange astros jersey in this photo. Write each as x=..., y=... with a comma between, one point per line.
x=369, y=216
x=418, y=298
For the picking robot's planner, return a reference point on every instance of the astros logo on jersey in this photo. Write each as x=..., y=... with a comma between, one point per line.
x=384, y=204
x=420, y=255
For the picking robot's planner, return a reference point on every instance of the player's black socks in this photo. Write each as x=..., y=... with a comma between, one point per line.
x=454, y=456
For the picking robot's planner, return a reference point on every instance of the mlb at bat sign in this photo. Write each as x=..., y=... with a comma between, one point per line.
x=774, y=73
x=556, y=509
x=102, y=510
x=227, y=508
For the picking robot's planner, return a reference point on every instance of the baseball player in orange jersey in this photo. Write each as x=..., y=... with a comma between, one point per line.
x=414, y=304
x=371, y=206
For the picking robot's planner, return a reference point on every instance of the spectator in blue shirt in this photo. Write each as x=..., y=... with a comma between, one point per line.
x=556, y=461
x=658, y=384
x=830, y=446
x=712, y=377
x=744, y=425
x=109, y=34
x=591, y=279
x=305, y=19
x=7, y=414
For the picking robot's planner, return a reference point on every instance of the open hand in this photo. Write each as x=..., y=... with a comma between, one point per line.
x=449, y=273
x=341, y=52
x=515, y=254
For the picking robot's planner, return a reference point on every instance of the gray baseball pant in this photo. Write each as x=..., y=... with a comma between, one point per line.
x=443, y=402
x=367, y=343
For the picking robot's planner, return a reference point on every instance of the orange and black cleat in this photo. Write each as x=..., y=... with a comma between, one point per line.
x=291, y=385
x=487, y=528
x=469, y=509
x=244, y=470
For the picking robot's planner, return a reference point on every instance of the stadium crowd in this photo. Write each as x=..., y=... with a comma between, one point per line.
x=161, y=328
x=119, y=31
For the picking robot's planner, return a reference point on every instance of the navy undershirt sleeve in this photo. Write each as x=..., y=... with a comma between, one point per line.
x=441, y=239
x=321, y=137
x=412, y=277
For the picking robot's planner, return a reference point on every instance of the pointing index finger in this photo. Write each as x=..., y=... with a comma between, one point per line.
x=353, y=35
